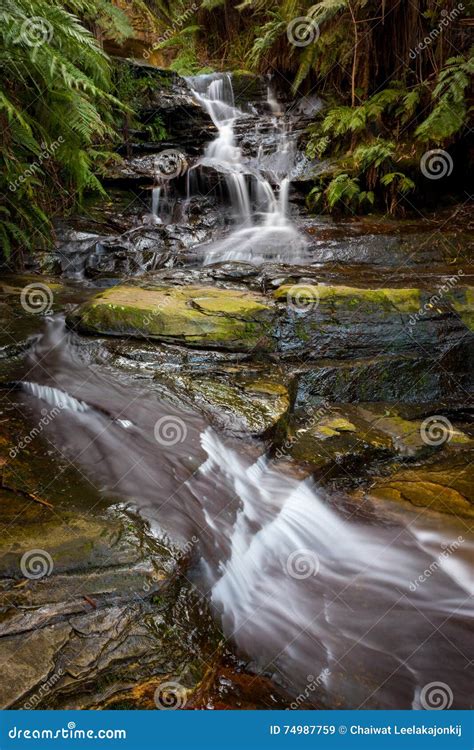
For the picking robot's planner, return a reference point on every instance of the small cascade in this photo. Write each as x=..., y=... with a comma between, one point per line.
x=299, y=586
x=155, y=202
x=273, y=103
x=258, y=187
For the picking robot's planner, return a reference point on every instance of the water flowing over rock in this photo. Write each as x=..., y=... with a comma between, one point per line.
x=240, y=432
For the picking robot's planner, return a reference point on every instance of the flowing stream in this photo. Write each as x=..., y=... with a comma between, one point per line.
x=258, y=187
x=308, y=590
x=304, y=592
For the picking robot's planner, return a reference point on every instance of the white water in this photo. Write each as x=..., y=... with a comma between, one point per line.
x=260, y=211
x=155, y=203
x=299, y=587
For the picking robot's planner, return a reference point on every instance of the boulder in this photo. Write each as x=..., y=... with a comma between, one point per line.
x=235, y=398
x=196, y=316
x=320, y=320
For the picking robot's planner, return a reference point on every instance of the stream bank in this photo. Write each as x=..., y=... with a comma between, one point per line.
x=345, y=364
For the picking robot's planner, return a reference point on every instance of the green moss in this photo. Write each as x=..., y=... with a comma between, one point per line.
x=403, y=300
x=462, y=301
x=198, y=316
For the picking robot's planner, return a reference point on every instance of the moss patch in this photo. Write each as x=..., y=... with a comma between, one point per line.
x=462, y=301
x=196, y=316
x=402, y=300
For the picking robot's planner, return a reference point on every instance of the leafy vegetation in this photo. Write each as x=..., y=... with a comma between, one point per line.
x=56, y=110
x=396, y=80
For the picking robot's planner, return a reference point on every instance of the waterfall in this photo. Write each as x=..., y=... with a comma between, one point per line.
x=258, y=188
x=155, y=202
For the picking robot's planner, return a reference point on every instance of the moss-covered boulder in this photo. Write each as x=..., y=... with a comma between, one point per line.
x=332, y=440
x=193, y=315
x=349, y=298
x=335, y=437
x=443, y=485
x=321, y=320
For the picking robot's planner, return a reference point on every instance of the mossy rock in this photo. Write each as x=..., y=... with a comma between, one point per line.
x=235, y=400
x=345, y=433
x=197, y=316
x=388, y=300
x=407, y=435
x=332, y=439
x=445, y=486
x=462, y=301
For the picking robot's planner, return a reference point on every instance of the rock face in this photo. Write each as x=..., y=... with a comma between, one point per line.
x=235, y=398
x=347, y=322
x=80, y=621
x=165, y=94
x=197, y=316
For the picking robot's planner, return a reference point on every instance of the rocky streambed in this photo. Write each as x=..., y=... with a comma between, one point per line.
x=223, y=483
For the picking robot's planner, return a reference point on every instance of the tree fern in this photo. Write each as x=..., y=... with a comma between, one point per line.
x=55, y=103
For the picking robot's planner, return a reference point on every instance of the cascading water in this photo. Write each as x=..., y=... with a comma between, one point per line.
x=155, y=202
x=301, y=591
x=260, y=211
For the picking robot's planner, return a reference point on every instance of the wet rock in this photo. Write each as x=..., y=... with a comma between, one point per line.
x=235, y=399
x=332, y=443
x=347, y=322
x=195, y=316
x=334, y=438
x=387, y=378
x=92, y=608
x=391, y=246
x=442, y=485
x=137, y=251
x=167, y=95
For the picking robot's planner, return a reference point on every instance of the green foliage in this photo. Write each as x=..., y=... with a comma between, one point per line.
x=55, y=109
x=450, y=111
x=342, y=189
x=156, y=129
x=373, y=154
